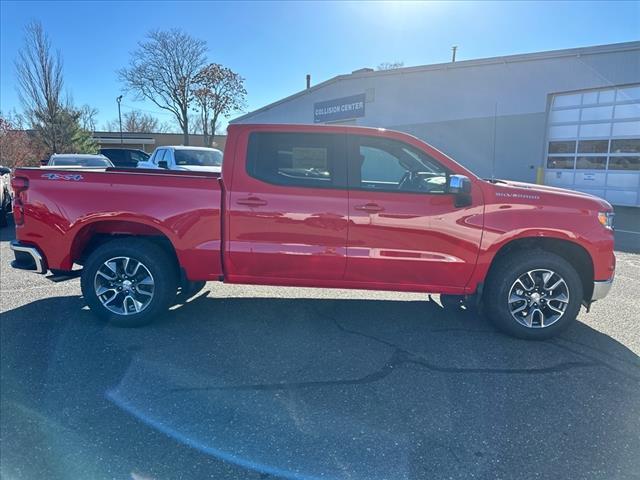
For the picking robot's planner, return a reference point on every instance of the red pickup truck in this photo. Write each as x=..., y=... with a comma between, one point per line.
x=319, y=206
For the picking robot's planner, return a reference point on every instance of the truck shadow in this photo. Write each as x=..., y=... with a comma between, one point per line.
x=299, y=387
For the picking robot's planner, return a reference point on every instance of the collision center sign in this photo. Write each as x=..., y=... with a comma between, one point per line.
x=339, y=109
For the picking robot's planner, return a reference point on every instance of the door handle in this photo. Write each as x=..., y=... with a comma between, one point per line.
x=369, y=207
x=251, y=201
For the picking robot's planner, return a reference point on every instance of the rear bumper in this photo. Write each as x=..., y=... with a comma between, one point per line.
x=28, y=257
x=601, y=289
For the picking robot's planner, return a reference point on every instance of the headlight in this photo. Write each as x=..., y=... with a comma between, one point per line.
x=606, y=219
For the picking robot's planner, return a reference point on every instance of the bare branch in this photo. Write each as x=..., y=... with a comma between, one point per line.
x=162, y=70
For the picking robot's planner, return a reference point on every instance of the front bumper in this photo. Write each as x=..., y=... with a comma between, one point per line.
x=28, y=257
x=601, y=289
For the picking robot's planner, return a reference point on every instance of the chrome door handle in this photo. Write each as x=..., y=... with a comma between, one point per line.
x=369, y=207
x=251, y=201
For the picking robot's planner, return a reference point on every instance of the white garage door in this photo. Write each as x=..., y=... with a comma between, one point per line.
x=593, y=143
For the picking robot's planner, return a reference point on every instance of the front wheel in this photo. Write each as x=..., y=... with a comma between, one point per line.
x=533, y=295
x=129, y=282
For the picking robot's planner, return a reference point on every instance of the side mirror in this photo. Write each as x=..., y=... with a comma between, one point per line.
x=460, y=186
x=163, y=164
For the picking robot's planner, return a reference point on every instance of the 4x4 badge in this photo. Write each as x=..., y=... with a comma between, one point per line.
x=58, y=176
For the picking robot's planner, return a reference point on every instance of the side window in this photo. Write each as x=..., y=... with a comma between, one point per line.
x=137, y=157
x=159, y=155
x=297, y=159
x=114, y=155
x=377, y=163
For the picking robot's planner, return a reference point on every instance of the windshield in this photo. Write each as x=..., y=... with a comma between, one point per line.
x=80, y=162
x=201, y=158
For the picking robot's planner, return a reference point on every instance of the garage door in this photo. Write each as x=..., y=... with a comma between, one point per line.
x=593, y=143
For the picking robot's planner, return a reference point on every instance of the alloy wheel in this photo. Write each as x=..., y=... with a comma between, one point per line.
x=124, y=285
x=538, y=298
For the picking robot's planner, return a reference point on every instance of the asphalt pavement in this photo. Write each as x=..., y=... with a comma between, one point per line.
x=268, y=382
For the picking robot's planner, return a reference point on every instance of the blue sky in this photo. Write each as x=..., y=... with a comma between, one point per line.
x=274, y=45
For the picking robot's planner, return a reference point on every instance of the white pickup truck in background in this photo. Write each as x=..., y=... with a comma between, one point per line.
x=197, y=159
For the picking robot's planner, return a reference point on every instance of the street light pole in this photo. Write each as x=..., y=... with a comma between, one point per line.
x=119, y=99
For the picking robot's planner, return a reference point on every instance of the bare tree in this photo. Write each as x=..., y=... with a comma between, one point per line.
x=390, y=65
x=88, y=118
x=137, y=121
x=195, y=124
x=218, y=91
x=162, y=70
x=40, y=85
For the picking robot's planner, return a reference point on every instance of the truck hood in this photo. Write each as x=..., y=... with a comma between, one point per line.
x=198, y=168
x=514, y=189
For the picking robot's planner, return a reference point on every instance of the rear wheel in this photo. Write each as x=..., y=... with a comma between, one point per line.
x=129, y=282
x=533, y=295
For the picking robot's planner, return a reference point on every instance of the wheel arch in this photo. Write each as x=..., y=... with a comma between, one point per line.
x=90, y=236
x=574, y=253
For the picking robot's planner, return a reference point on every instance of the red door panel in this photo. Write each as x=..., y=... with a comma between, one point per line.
x=295, y=230
x=416, y=239
x=403, y=227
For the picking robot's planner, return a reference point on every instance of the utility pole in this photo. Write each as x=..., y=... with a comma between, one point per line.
x=119, y=99
x=453, y=53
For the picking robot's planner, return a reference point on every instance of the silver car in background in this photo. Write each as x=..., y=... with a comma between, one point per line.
x=81, y=160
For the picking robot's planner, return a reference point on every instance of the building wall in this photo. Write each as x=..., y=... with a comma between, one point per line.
x=518, y=150
x=150, y=141
x=460, y=108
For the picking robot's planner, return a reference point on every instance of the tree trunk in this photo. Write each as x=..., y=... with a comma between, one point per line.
x=204, y=118
x=185, y=128
x=214, y=120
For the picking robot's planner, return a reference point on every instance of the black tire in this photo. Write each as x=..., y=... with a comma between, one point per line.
x=504, y=274
x=157, y=262
x=189, y=289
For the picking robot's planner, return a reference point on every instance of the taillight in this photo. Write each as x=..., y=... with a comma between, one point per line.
x=19, y=185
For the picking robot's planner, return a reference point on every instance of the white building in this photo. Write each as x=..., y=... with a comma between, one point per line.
x=569, y=118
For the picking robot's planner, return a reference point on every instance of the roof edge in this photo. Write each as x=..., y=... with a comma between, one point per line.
x=520, y=57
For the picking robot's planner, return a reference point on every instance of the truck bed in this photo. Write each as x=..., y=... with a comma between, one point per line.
x=66, y=208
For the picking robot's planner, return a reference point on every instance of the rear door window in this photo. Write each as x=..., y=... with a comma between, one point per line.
x=298, y=159
x=115, y=155
x=138, y=156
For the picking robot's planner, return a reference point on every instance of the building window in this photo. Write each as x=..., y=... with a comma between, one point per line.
x=624, y=163
x=562, y=147
x=560, y=162
x=593, y=146
x=591, y=163
x=628, y=145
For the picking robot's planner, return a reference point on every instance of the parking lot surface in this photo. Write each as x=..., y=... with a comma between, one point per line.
x=264, y=382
